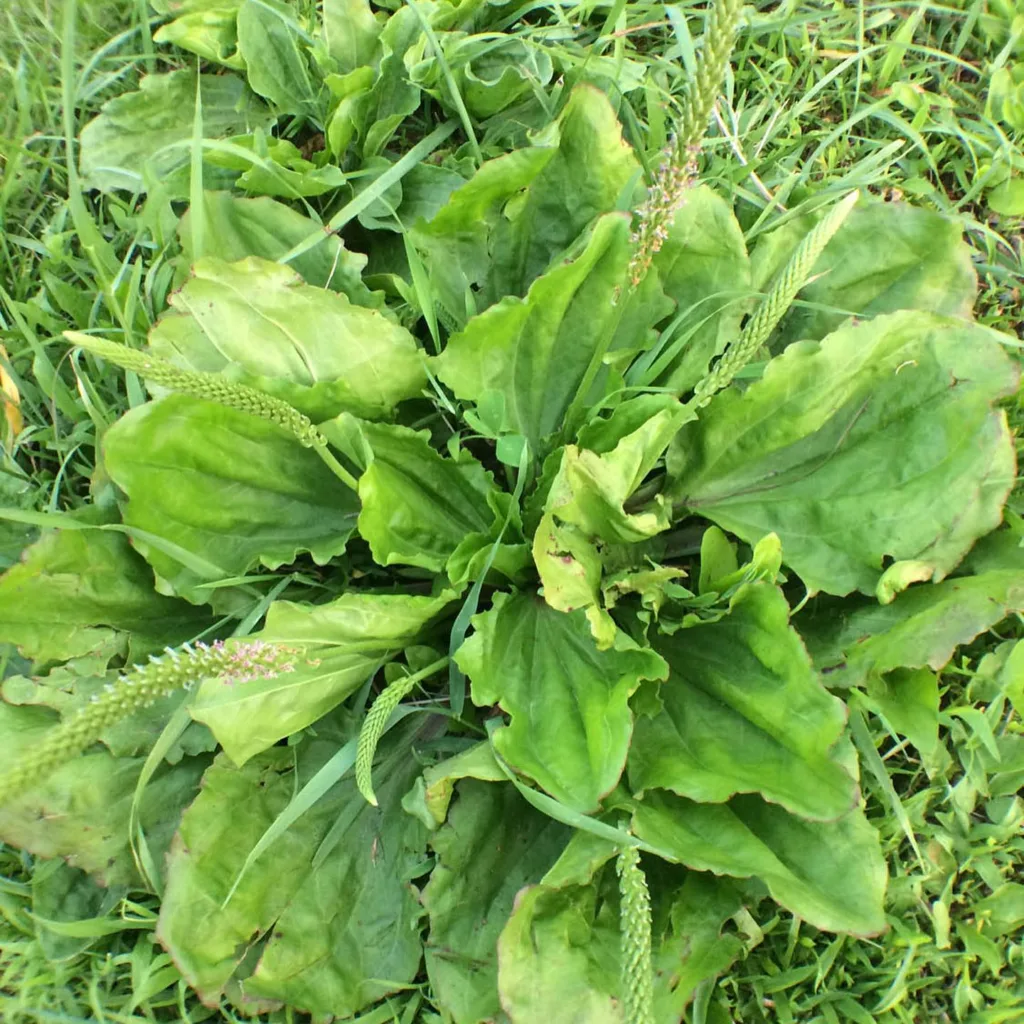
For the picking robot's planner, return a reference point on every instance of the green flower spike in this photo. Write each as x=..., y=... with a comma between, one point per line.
x=138, y=688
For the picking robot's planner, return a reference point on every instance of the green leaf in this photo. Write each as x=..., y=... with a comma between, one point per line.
x=63, y=895
x=570, y=569
x=493, y=845
x=879, y=442
x=417, y=505
x=74, y=588
x=350, y=32
x=80, y=812
x=393, y=97
x=703, y=266
x=419, y=194
x=430, y=797
x=69, y=688
x=909, y=700
x=206, y=28
x=535, y=352
x=490, y=73
x=1007, y=199
x=744, y=712
x=351, y=97
x=147, y=132
x=289, y=175
x=334, y=938
x=343, y=643
x=236, y=228
x=558, y=958
x=275, y=54
x=229, y=487
x=831, y=874
x=559, y=954
x=922, y=627
x=886, y=257
x=258, y=323
x=570, y=719
x=455, y=242
x=590, y=489
x=717, y=560
x=689, y=944
x=583, y=179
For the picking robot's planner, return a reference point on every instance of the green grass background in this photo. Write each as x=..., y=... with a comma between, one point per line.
x=824, y=97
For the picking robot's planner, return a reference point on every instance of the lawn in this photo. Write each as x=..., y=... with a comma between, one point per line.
x=509, y=511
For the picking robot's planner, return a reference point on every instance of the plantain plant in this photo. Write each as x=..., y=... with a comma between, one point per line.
x=539, y=599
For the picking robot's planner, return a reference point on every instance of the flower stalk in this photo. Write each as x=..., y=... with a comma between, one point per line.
x=635, y=931
x=773, y=307
x=212, y=387
x=678, y=170
x=376, y=721
x=139, y=688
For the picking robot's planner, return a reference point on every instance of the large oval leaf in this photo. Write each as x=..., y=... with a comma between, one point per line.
x=259, y=322
x=418, y=506
x=341, y=930
x=342, y=644
x=744, y=713
x=879, y=442
x=923, y=626
x=584, y=178
x=886, y=257
x=237, y=227
x=227, y=487
x=493, y=845
x=81, y=812
x=533, y=353
x=570, y=718
x=703, y=266
x=831, y=874
x=72, y=588
x=141, y=136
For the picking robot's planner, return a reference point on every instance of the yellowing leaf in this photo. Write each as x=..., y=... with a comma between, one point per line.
x=11, y=400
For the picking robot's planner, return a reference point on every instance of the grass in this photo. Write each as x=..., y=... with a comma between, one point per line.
x=824, y=97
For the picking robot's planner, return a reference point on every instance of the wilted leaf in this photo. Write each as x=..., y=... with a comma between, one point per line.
x=570, y=719
x=881, y=441
x=257, y=322
x=831, y=874
x=570, y=567
x=225, y=486
x=744, y=712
